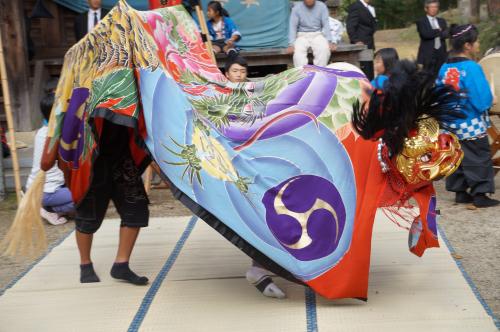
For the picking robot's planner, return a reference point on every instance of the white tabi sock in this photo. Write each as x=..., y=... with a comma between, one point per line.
x=260, y=278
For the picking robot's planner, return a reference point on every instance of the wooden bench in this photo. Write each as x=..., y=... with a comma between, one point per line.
x=45, y=68
x=278, y=56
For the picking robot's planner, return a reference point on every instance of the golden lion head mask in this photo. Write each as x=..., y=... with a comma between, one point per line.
x=428, y=154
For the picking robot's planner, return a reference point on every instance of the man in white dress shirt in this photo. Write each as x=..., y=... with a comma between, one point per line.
x=85, y=22
x=361, y=27
x=433, y=32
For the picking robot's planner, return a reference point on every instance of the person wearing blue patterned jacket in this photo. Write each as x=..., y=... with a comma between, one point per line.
x=222, y=30
x=475, y=176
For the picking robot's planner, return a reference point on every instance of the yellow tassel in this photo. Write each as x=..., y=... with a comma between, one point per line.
x=26, y=236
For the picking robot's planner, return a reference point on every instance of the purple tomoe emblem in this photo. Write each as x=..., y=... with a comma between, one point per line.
x=72, y=136
x=431, y=216
x=307, y=215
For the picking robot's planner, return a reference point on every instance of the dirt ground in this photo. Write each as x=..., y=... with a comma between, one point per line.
x=474, y=234
x=405, y=41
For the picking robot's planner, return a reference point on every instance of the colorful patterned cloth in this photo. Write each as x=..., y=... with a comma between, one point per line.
x=273, y=165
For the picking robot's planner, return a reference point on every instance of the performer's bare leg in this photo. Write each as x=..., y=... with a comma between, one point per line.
x=121, y=269
x=84, y=242
x=128, y=236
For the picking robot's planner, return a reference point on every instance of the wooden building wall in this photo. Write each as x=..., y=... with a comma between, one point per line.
x=15, y=55
x=51, y=37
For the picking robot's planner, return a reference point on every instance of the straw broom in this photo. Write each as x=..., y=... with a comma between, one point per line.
x=26, y=235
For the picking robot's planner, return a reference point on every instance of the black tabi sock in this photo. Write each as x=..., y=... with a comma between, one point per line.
x=123, y=272
x=87, y=273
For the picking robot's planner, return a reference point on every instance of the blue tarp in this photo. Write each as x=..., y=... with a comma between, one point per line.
x=81, y=6
x=262, y=23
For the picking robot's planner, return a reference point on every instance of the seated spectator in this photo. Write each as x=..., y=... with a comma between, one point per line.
x=384, y=61
x=222, y=30
x=57, y=202
x=336, y=27
x=310, y=28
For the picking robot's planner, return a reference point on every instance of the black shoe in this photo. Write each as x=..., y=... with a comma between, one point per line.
x=232, y=53
x=483, y=201
x=463, y=197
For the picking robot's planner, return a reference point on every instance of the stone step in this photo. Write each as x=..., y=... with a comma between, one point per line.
x=24, y=156
x=9, y=182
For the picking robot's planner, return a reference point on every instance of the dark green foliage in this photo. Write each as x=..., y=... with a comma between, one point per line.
x=489, y=34
x=393, y=14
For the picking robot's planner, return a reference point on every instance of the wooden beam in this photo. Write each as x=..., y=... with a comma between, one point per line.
x=52, y=28
x=41, y=75
x=278, y=56
x=15, y=49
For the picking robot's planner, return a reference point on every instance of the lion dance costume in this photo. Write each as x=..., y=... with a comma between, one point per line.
x=283, y=167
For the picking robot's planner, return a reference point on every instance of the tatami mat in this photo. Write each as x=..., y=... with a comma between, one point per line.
x=50, y=297
x=197, y=284
x=213, y=295
x=408, y=293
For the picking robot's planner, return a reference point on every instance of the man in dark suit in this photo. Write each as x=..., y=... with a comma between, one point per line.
x=361, y=26
x=433, y=32
x=85, y=22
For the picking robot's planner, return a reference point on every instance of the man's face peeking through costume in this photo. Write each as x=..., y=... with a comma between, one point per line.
x=428, y=154
x=237, y=73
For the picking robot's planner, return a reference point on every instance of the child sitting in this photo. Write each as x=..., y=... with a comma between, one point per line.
x=57, y=201
x=384, y=61
x=223, y=32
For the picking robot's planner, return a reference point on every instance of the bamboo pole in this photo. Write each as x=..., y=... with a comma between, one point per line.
x=204, y=31
x=2, y=182
x=10, y=121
